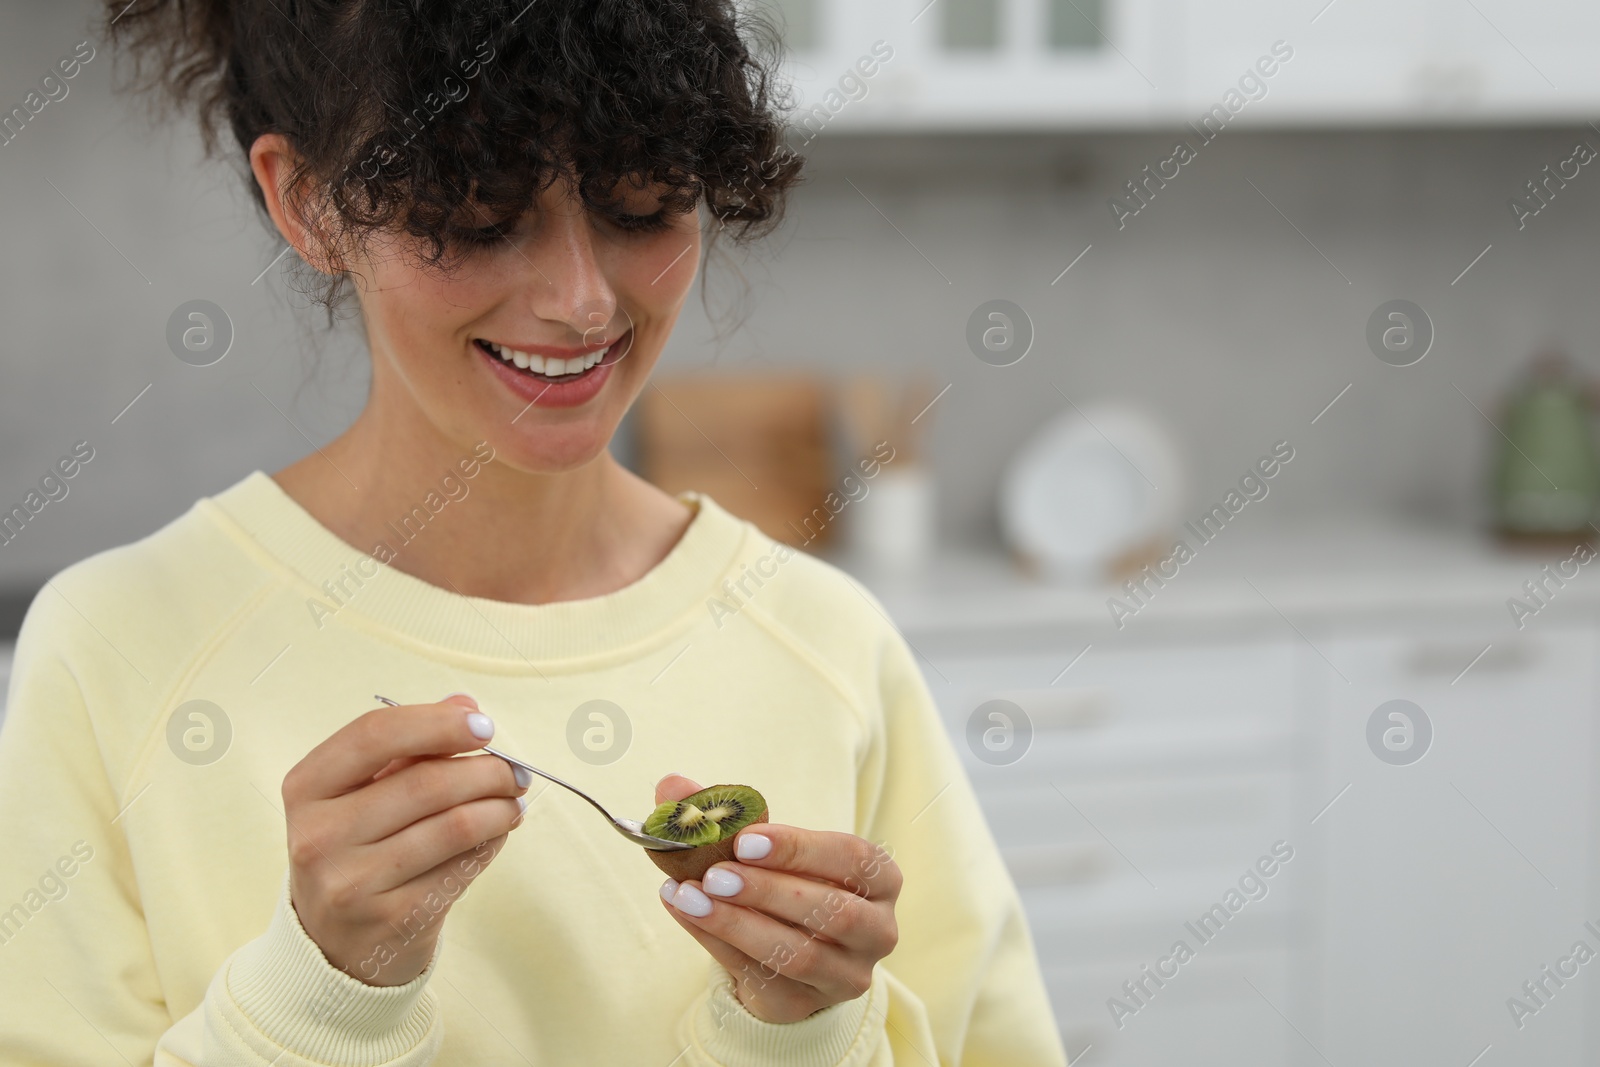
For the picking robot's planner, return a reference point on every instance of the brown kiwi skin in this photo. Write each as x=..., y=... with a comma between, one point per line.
x=691, y=864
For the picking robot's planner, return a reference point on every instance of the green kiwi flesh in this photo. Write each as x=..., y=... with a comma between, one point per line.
x=708, y=820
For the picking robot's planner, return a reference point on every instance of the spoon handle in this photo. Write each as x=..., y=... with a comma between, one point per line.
x=549, y=777
x=626, y=827
x=629, y=829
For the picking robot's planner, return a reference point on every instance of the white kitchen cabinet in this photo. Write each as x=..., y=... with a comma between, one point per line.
x=1156, y=775
x=1444, y=884
x=1421, y=896
x=1412, y=61
x=1157, y=64
x=1086, y=62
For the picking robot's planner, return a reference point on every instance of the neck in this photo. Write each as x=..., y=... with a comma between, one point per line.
x=499, y=533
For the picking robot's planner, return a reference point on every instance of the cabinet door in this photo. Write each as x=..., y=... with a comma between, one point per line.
x=1079, y=64
x=1155, y=777
x=1450, y=881
x=969, y=64
x=1401, y=60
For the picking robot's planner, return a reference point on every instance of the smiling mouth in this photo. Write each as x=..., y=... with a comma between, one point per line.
x=549, y=368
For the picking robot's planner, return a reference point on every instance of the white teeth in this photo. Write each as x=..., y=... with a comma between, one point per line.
x=549, y=367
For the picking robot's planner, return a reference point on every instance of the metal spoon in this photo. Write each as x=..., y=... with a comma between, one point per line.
x=629, y=828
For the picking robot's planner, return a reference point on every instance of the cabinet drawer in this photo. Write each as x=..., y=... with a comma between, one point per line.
x=1119, y=712
x=1159, y=824
x=1130, y=921
x=1207, y=1015
x=1149, y=690
x=1452, y=876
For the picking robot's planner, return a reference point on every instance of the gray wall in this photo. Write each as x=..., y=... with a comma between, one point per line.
x=1209, y=308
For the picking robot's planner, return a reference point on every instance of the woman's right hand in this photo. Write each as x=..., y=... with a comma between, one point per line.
x=386, y=830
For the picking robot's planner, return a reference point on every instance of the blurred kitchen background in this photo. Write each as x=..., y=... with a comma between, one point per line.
x=1373, y=275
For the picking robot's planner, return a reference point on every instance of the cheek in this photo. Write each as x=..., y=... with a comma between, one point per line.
x=417, y=310
x=655, y=275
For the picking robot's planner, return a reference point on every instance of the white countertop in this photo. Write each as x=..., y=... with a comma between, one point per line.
x=1260, y=572
x=1309, y=572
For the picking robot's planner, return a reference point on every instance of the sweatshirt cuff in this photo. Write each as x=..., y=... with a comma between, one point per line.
x=845, y=1033
x=289, y=992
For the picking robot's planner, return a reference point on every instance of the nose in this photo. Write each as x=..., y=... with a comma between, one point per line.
x=570, y=285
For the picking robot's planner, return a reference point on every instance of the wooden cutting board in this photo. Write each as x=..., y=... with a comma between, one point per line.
x=759, y=445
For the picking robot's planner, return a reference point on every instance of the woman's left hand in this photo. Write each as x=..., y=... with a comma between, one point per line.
x=801, y=919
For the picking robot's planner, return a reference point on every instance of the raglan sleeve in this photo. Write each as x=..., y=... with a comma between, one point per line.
x=964, y=982
x=78, y=974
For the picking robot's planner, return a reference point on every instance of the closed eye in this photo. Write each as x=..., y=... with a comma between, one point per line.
x=483, y=236
x=653, y=223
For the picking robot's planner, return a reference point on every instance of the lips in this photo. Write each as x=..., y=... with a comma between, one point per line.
x=534, y=379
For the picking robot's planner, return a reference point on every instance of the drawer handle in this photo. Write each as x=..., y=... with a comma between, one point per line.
x=1451, y=659
x=1049, y=865
x=1062, y=709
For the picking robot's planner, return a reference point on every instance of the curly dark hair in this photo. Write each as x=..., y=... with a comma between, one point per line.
x=405, y=113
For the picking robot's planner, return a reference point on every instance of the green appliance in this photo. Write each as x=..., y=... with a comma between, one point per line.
x=1547, y=478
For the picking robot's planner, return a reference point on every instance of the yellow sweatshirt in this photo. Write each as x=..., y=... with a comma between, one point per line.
x=162, y=689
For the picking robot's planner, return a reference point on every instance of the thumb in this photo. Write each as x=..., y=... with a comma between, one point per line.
x=675, y=787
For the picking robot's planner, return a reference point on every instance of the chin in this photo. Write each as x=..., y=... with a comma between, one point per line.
x=550, y=449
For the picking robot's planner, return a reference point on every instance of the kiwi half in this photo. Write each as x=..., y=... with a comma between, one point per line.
x=708, y=820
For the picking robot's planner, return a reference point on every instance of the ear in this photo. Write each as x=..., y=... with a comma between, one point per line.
x=272, y=160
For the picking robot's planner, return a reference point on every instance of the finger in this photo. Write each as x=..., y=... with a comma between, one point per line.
x=429, y=842
x=750, y=977
x=675, y=787
x=819, y=908
x=848, y=861
x=450, y=878
x=731, y=958
x=776, y=945
x=429, y=897
x=425, y=787
x=398, y=765
x=359, y=749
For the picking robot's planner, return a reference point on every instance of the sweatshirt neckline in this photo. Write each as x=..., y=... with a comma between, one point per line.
x=343, y=583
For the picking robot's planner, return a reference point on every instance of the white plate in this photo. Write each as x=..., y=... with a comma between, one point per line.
x=1088, y=487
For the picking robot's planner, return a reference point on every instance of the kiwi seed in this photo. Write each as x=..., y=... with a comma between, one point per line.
x=708, y=820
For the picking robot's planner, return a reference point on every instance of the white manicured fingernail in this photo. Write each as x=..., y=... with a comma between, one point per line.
x=752, y=846
x=522, y=804
x=669, y=887
x=481, y=725
x=469, y=696
x=721, y=882
x=691, y=901
x=523, y=776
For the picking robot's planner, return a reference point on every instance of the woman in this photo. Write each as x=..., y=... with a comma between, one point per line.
x=243, y=858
